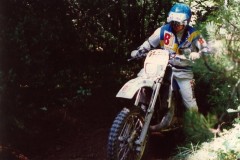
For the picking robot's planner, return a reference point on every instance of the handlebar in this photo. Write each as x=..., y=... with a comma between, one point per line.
x=138, y=54
x=144, y=54
x=137, y=57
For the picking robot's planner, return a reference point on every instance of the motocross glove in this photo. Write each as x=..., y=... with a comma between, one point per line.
x=138, y=53
x=194, y=55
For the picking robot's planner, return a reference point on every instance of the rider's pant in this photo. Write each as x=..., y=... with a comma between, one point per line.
x=185, y=83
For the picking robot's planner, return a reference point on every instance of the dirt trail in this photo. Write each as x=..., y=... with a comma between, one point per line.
x=90, y=141
x=92, y=145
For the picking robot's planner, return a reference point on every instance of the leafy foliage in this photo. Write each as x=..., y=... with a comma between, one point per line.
x=196, y=127
x=57, y=57
x=225, y=28
x=221, y=28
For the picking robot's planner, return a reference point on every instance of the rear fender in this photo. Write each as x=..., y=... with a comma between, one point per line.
x=131, y=87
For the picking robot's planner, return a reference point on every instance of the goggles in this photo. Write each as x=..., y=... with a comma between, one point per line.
x=175, y=23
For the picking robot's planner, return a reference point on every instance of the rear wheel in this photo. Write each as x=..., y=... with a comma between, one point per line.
x=124, y=132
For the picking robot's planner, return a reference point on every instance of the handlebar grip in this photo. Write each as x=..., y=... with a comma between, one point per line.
x=143, y=55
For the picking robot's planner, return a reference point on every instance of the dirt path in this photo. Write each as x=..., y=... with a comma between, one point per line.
x=92, y=146
x=90, y=141
x=89, y=146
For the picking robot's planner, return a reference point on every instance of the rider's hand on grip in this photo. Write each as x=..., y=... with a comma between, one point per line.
x=194, y=55
x=138, y=53
x=134, y=53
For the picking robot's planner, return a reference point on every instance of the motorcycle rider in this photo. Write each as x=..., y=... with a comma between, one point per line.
x=184, y=44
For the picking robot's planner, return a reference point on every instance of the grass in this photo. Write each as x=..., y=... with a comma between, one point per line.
x=224, y=147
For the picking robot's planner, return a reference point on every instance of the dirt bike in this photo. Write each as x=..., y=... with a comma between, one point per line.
x=155, y=102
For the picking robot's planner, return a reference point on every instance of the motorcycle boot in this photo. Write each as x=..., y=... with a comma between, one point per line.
x=166, y=121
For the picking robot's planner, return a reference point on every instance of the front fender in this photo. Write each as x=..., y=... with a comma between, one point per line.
x=131, y=87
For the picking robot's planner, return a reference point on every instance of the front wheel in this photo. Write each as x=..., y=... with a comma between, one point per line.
x=124, y=132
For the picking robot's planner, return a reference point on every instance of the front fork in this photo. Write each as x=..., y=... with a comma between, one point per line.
x=149, y=114
x=150, y=111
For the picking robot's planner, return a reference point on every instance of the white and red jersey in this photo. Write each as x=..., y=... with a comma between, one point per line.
x=165, y=38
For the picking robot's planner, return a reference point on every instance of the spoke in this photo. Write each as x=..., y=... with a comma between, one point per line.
x=124, y=150
x=130, y=132
x=125, y=154
x=125, y=131
x=138, y=125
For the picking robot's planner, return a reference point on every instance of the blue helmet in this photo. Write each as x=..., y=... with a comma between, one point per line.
x=180, y=13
